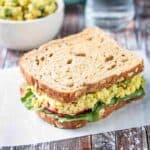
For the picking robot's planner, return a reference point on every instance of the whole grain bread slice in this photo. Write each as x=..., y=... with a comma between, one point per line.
x=68, y=68
x=78, y=124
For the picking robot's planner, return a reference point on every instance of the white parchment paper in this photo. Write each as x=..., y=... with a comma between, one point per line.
x=18, y=126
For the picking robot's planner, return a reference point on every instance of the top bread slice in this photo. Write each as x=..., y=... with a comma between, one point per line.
x=68, y=68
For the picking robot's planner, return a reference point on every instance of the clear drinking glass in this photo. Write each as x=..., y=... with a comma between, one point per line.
x=115, y=14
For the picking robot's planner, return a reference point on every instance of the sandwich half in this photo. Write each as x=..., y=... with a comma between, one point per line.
x=80, y=78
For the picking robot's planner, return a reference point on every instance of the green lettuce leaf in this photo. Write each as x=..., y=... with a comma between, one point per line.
x=27, y=99
x=93, y=115
x=137, y=93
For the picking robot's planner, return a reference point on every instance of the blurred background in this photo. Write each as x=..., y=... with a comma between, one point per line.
x=113, y=15
x=31, y=32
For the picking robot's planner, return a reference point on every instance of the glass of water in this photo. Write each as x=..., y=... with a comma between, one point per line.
x=111, y=14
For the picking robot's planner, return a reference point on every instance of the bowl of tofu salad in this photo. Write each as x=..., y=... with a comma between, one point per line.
x=27, y=24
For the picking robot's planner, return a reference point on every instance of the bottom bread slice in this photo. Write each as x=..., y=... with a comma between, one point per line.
x=77, y=124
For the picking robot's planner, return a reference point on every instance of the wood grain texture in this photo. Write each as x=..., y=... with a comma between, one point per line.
x=3, y=53
x=104, y=141
x=73, y=21
x=80, y=143
x=131, y=139
x=130, y=36
x=142, y=28
x=12, y=58
x=6, y=148
x=120, y=37
x=127, y=37
x=147, y=40
x=144, y=139
x=148, y=135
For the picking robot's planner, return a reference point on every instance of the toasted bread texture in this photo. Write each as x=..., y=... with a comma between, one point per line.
x=65, y=69
x=78, y=124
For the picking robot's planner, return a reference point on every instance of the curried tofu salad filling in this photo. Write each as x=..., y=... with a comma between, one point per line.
x=87, y=107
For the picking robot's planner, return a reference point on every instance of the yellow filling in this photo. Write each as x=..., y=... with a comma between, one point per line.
x=88, y=101
x=26, y=9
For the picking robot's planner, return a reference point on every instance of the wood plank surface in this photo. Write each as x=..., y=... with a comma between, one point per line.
x=130, y=36
x=72, y=144
x=11, y=59
x=131, y=139
x=73, y=21
x=3, y=53
x=148, y=136
x=147, y=39
x=104, y=141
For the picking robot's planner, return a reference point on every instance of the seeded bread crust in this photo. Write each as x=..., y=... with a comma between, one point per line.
x=78, y=124
x=65, y=69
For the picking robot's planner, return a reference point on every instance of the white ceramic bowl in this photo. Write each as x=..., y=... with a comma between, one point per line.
x=26, y=35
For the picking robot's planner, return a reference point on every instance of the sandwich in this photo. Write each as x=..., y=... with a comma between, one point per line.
x=80, y=78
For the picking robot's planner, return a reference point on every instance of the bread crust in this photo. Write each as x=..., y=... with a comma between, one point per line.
x=78, y=124
x=63, y=125
x=71, y=95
